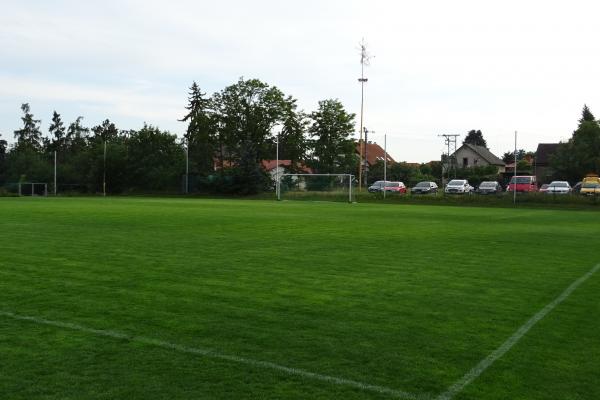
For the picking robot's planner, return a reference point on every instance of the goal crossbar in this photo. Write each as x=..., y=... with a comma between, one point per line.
x=280, y=176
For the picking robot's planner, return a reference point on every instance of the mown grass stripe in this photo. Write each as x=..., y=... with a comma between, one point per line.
x=213, y=354
x=484, y=364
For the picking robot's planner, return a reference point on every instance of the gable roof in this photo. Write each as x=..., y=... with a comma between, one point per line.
x=484, y=153
x=544, y=152
x=374, y=152
x=270, y=165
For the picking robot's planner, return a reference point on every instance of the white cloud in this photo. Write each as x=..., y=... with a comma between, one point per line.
x=439, y=66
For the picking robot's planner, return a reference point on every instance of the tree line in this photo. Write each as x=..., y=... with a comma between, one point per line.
x=228, y=135
x=580, y=155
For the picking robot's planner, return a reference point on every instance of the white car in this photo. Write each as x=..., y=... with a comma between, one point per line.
x=559, y=187
x=458, y=186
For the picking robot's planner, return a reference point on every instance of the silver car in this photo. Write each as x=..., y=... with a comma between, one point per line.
x=458, y=186
x=559, y=187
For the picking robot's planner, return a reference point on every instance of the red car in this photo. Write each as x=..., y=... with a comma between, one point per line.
x=522, y=184
x=396, y=187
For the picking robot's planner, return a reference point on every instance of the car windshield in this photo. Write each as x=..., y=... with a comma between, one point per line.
x=422, y=185
x=393, y=184
x=456, y=182
x=487, y=184
x=559, y=184
x=521, y=179
x=379, y=183
x=591, y=185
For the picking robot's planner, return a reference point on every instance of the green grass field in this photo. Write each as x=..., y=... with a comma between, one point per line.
x=133, y=298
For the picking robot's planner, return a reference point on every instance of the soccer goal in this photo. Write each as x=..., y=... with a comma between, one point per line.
x=328, y=187
x=33, y=189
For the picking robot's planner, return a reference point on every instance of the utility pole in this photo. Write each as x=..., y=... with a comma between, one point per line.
x=384, y=162
x=54, y=172
x=277, y=170
x=515, y=174
x=104, y=173
x=450, y=142
x=187, y=166
x=366, y=164
x=364, y=61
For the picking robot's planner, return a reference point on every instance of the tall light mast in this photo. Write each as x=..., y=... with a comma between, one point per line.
x=365, y=58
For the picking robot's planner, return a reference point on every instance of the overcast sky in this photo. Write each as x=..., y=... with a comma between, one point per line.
x=439, y=66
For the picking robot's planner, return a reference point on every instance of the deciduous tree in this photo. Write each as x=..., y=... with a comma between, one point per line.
x=331, y=129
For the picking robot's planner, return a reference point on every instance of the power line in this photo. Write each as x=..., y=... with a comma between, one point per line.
x=450, y=158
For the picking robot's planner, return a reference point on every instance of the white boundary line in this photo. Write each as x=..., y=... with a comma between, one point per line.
x=452, y=391
x=484, y=364
x=212, y=354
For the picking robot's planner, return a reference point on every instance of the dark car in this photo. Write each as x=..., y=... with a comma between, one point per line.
x=425, y=188
x=577, y=188
x=489, y=187
x=378, y=186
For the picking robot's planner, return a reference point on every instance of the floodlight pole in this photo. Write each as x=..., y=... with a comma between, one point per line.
x=187, y=166
x=515, y=173
x=384, y=162
x=55, y=172
x=104, y=173
x=364, y=60
x=362, y=81
x=277, y=190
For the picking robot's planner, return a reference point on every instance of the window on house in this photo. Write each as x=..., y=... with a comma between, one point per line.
x=465, y=162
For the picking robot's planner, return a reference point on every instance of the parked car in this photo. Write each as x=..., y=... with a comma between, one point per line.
x=377, y=186
x=425, y=187
x=525, y=183
x=458, y=186
x=544, y=188
x=489, y=187
x=396, y=187
x=590, y=185
x=577, y=188
x=590, y=189
x=559, y=187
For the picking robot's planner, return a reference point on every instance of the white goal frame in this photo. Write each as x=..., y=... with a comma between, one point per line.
x=33, y=185
x=278, y=183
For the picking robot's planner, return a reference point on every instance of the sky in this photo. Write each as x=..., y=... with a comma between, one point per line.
x=438, y=67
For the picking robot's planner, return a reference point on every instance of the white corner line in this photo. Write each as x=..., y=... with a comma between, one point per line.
x=484, y=364
x=215, y=355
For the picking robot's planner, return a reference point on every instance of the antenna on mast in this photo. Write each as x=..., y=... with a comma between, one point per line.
x=365, y=61
x=449, y=158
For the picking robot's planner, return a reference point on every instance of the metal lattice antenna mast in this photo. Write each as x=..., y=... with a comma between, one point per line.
x=450, y=164
x=365, y=59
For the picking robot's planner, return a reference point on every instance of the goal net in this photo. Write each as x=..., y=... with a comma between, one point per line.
x=328, y=187
x=33, y=189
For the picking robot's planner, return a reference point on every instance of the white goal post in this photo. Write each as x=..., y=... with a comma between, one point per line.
x=350, y=177
x=33, y=189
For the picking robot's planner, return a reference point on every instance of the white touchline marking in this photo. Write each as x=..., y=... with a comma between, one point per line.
x=470, y=376
x=212, y=354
